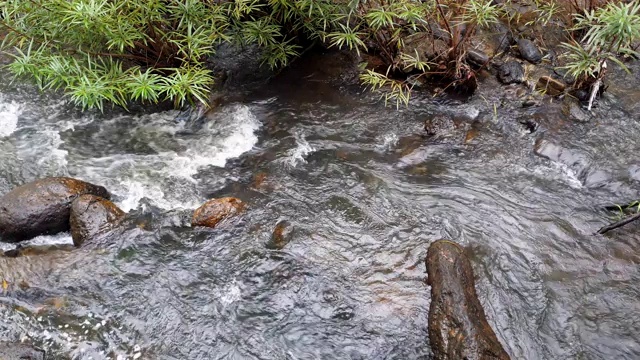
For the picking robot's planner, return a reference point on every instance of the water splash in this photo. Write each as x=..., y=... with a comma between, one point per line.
x=297, y=155
x=9, y=113
x=180, y=155
x=236, y=135
x=389, y=141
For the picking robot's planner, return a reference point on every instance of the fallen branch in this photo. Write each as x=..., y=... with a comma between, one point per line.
x=618, y=224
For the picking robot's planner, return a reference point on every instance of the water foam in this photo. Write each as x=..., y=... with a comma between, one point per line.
x=389, y=141
x=9, y=113
x=166, y=178
x=236, y=136
x=297, y=155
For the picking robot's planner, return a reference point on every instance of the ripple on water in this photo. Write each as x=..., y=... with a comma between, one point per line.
x=350, y=282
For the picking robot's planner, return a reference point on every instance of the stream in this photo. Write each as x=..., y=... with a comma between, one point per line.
x=365, y=193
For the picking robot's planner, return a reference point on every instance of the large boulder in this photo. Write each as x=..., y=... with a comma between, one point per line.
x=215, y=210
x=41, y=207
x=17, y=351
x=458, y=327
x=92, y=216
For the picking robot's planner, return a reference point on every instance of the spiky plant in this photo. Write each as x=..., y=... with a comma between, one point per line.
x=608, y=31
x=117, y=51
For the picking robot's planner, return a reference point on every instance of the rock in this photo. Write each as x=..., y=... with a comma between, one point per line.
x=237, y=66
x=426, y=45
x=573, y=110
x=458, y=327
x=41, y=207
x=502, y=37
x=16, y=351
x=564, y=75
x=216, y=210
x=439, y=125
x=511, y=72
x=438, y=32
x=477, y=57
x=529, y=124
x=530, y=101
x=550, y=85
x=529, y=51
x=92, y=216
x=281, y=235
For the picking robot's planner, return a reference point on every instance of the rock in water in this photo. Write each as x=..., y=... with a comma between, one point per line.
x=281, y=235
x=458, y=327
x=41, y=207
x=439, y=124
x=13, y=351
x=92, y=216
x=216, y=210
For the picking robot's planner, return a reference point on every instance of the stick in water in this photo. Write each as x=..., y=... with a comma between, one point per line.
x=620, y=223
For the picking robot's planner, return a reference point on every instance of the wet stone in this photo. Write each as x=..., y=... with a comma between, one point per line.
x=41, y=207
x=458, y=326
x=281, y=236
x=216, y=210
x=511, y=72
x=439, y=125
x=477, y=57
x=550, y=85
x=502, y=37
x=529, y=51
x=573, y=110
x=92, y=216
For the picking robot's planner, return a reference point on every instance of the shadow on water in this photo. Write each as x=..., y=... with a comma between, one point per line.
x=366, y=194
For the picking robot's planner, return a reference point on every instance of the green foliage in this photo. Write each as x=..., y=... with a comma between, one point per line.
x=390, y=28
x=545, y=10
x=116, y=51
x=608, y=31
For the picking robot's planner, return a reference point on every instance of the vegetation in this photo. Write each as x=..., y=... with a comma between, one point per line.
x=607, y=32
x=394, y=28
x=116, y=51
x=101, y=51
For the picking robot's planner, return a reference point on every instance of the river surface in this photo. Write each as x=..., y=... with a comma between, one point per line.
x=365, y=193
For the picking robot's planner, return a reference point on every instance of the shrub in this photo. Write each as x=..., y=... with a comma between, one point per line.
x=387, y=28
x=607, y=31
x=116, y=51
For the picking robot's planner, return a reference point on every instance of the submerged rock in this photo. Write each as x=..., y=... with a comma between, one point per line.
x=529, y=51
x=281, y=235
x=511, y=72
x=92, y=216
x=458, y=327
x=41, y=207
x=216, y=210
x=13, y=351
x=439, y=125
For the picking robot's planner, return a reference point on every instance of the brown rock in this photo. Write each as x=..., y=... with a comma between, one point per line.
x=550, y=85
x=92, y=216
x=41, y=207
x=281, y=235
x=216, y=210
x=458, y=327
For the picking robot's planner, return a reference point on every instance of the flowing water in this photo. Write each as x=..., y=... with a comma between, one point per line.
x=365, y=194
